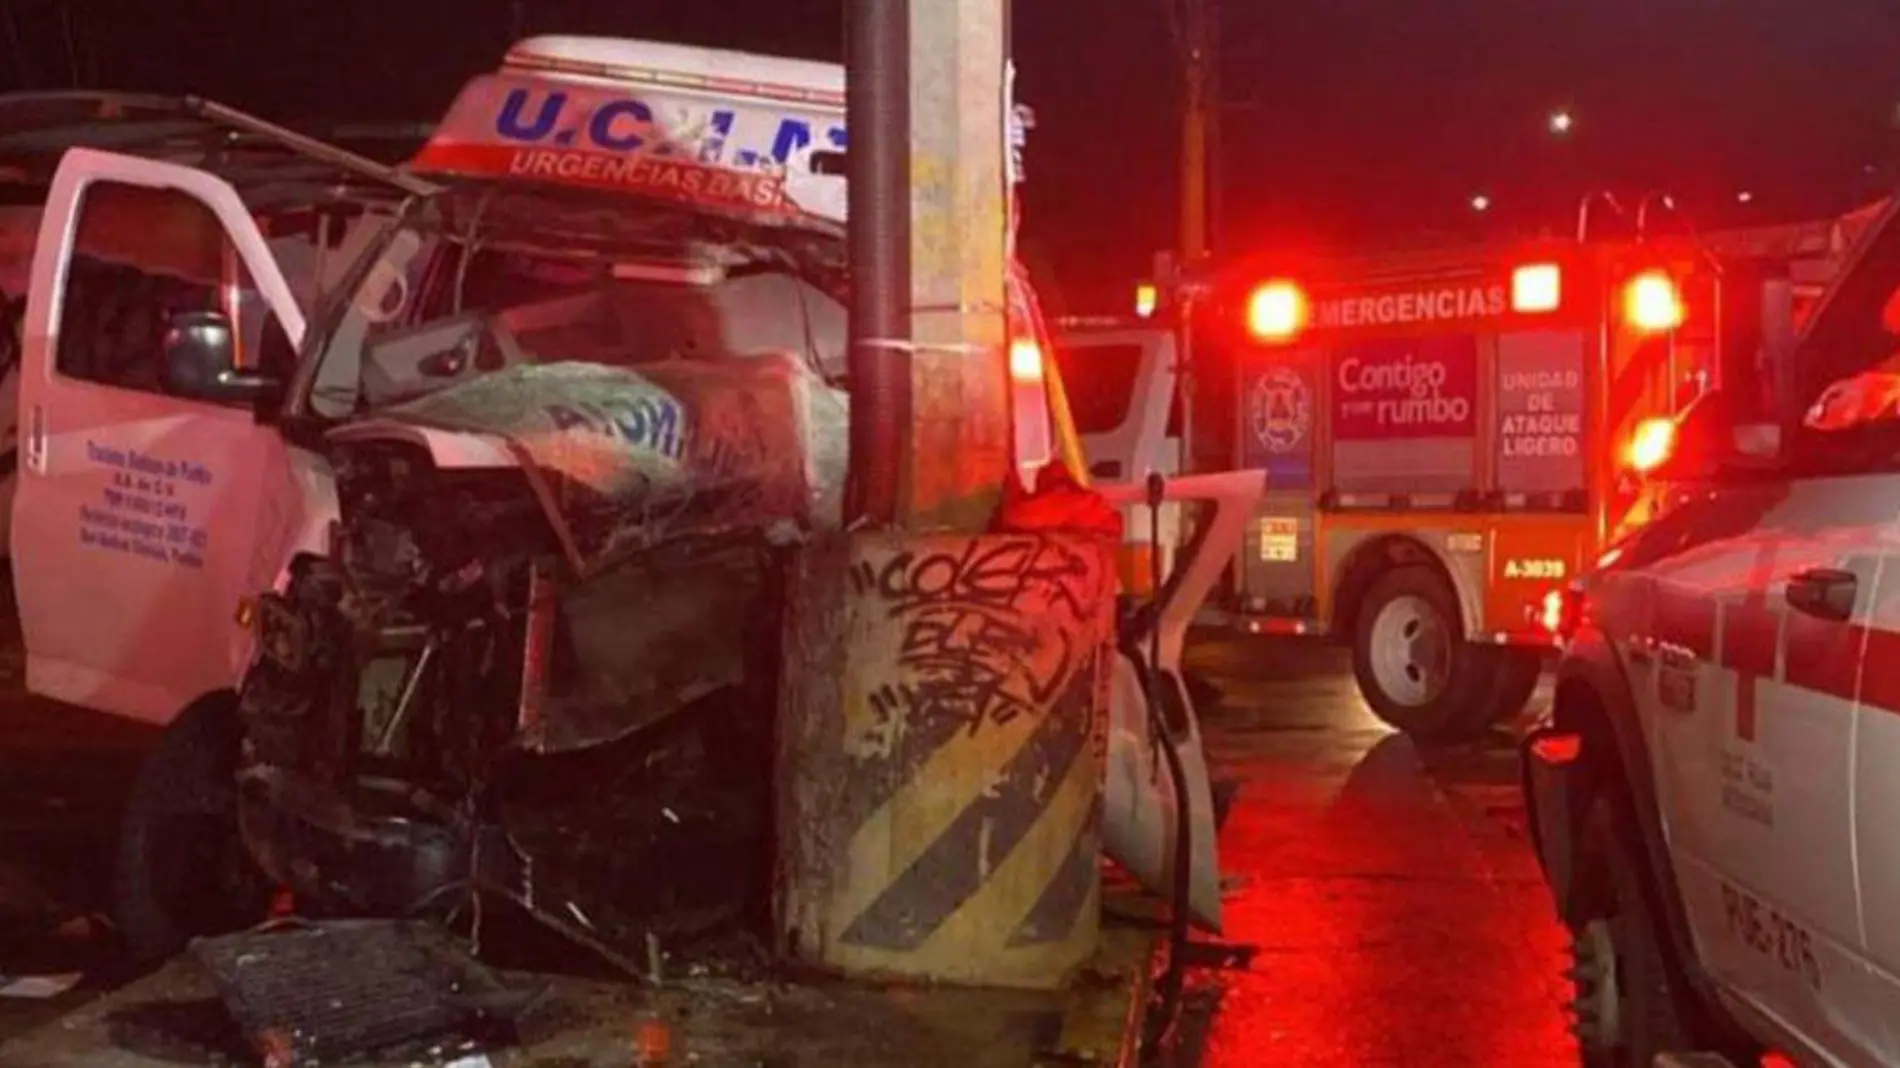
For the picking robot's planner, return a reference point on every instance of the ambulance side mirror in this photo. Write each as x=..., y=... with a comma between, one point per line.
x=200, y=350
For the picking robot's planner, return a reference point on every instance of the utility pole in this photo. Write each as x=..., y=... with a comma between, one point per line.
x=904, y=727
x=1194, y=38
x=927, y=205
x=1196, y=43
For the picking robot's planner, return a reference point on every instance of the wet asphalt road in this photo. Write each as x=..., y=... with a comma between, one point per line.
x=1391, y=893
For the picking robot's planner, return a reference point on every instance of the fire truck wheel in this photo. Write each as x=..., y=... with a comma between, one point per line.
x=1513, y=675
x=182, y=870
x=1411, y=660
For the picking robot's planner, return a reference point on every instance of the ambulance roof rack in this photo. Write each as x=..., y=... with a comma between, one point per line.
x=256, y=155
x=622, y=61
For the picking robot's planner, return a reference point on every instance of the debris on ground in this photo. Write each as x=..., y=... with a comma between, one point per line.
x=322, y=993
x=37, y=986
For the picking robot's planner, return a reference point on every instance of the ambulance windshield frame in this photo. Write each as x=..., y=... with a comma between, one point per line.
x=594, y=230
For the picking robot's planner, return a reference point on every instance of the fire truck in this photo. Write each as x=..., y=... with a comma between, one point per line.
x=1447, y=435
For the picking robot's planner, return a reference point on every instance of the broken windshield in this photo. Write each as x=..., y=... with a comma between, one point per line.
x=490, y=277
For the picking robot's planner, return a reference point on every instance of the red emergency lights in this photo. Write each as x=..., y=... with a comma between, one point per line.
x=1537, y=287
x=1147, y=299
x=1276, y=310
x=1652, y=445
x=1560, y=613
x=1025, y=360
x=1652, y=302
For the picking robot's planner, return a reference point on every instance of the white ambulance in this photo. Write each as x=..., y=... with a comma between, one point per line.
x=1711, y=804
x=178, y=462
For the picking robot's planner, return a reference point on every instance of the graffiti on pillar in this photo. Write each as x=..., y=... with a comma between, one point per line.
x=989, y=630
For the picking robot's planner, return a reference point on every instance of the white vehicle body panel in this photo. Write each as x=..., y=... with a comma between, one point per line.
x=448, y=449
x=1140, y=442
x=1139, y=803
x=1774, y=777
x=155, y=513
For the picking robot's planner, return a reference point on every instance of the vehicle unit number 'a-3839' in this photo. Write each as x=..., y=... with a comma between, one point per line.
x=1766, y=931
x=1535, y=569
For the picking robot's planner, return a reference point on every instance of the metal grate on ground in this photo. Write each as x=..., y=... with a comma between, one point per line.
x=305, y=995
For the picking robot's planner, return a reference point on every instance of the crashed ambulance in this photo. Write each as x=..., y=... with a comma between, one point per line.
x=517, y=500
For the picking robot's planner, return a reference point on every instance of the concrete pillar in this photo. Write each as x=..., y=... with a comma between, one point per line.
x=941, y=735
x=941, y=753
x=959, y=448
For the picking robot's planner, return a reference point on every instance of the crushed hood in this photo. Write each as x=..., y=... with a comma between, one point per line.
x=624, y=459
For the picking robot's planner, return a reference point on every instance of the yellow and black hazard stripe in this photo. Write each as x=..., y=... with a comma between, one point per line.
x=974, y=849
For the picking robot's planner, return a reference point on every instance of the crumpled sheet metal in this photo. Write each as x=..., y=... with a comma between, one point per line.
x=666, y=450
x=645, y=638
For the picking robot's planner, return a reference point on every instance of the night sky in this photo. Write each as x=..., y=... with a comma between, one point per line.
x=1347, y=120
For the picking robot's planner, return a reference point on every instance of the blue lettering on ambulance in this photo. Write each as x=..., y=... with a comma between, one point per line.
x=792, y=136
x=626, y=125
x=718, y=128
x=508, y=123
x=628, y=136
x=645, y=423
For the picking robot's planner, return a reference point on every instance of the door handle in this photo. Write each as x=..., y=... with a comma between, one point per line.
x=35, y=443
x=1823, y=592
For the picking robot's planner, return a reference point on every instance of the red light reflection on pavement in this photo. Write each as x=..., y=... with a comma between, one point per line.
x=1397, y=926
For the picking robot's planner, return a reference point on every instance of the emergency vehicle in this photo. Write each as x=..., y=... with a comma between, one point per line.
x=1123, y=372
x=1119, y=376
x=162, y=492
x=1447, y=437
x=1712, y=803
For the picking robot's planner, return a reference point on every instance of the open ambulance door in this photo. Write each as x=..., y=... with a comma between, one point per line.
x=142, y=517
x=1139, y=827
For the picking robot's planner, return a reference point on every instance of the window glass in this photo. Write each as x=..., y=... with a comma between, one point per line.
x=141, y=256
x=1847, y=367
x=1100, y=383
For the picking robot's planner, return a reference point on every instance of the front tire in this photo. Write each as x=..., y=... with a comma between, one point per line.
x=1411, y=659
x=1627, y=1002
x=182, y=868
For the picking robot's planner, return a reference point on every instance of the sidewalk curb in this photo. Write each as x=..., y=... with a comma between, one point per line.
x=1103, y=1013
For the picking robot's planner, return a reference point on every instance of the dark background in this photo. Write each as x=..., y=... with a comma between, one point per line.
x=1347, y=120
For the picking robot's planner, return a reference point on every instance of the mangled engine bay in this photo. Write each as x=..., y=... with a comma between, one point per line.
x=549, y=678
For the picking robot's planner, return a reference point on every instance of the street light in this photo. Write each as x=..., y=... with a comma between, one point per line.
x=1744, y=197
x=1561, y=121
x=1480, y=202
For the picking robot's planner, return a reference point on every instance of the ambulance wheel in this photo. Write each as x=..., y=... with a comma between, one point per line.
x=1411, y=659
x=1627, y=1001
x=182, y=869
